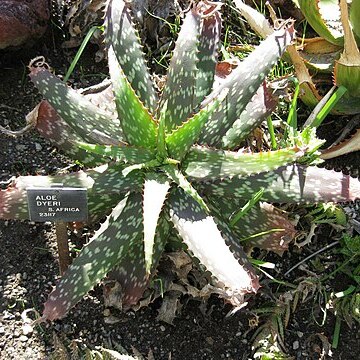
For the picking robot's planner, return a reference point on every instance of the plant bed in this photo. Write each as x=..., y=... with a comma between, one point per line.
x=28, y=252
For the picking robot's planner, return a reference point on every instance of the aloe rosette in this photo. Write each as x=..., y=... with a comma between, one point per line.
x=171, y=160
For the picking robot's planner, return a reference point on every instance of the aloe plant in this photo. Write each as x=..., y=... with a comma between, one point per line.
x=170, y=160
x=336, y=51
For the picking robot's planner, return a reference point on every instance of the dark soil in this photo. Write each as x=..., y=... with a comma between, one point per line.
x=28, y=270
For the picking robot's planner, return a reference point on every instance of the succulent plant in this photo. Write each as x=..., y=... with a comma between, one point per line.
x=335, y=51
x=171, y=161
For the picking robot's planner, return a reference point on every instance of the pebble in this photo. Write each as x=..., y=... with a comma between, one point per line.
x=27, y=329
x=296, y=345
x=2, y=330
x=23, y=338
x=38, y=147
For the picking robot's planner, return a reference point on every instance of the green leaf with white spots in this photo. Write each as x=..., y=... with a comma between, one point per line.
x=52, y=127
x=161, y=144
x=127, y=154
x=132, y=287
x=179, y=89
x=290, y=184
x=107, y=247
x=256, y=111
x=207, y=164
x=264, y=226
x=242, y=83
x=202, y=236
x=79, y=113
x=184, y=184
x=182, y=138
x=324, y=18
x=156, y=189
x=123, y=37
x=138, y=125
x=209, y=42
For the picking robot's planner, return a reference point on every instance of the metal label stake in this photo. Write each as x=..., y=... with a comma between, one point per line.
x=60, y=205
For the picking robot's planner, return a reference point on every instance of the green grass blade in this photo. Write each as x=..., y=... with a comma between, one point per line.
x=320, y=112
x=246, y=208
x=80, y=51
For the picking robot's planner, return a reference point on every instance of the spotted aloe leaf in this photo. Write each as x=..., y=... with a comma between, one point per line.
x=324, y=18
x=241, y=92
x=200, y=233
x=183, y=137
x=130, y=273
x=264, y=226
x=137, y=123
x=127, y=154
x=256, y=111
x=209, y=164
x=51, y=126
x=179, y=90
x=123, y=37
x=179, y=178
x=207, y=50
x=155, y=191
x=291, y=184
x=125, y=225
x=78, y=112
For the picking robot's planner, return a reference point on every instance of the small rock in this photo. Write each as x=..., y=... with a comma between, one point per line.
x=162, y=328
x=2, y=330
x=296, y=345
x=27, y=329
x=106, y=312
x=300, y=334
x=210, y=340
x=20, y=147
x=23, y=338
x=111, y=319
x=67, y=329
x=38, y=147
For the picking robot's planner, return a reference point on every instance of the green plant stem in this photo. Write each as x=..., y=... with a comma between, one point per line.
x=322, y=110
x=336, y=334
x=272, y=133
x=80, y=51
x=338, y=269
x=247, y=207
